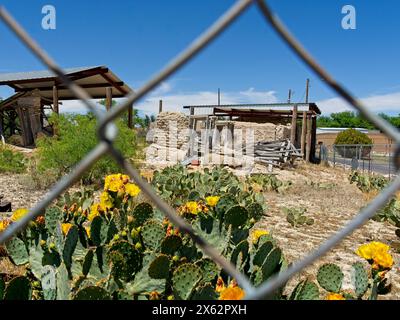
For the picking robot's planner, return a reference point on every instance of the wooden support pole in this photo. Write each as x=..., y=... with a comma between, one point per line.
x=55, y=100
x=108, y=98
x=308, y=143
x=294, y=125
x=130, y=116
x=303, y=134
x=160, y=106
x=191, y=120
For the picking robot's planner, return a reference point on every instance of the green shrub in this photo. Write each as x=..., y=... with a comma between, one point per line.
x=352, y=136
x=11, y=161
x=75, y=137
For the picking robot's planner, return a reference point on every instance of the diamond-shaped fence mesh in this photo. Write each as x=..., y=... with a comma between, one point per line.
x=107, y=133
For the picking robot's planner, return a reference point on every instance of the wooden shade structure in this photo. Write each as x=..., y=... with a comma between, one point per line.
x=35, y=91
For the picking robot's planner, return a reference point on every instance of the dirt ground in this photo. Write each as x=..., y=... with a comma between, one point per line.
x=331, y=206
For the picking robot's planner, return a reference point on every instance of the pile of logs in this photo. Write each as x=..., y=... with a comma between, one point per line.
x=276, y=153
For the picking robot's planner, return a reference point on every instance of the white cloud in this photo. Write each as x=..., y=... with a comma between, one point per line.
x=388, y=103
x=175, y=102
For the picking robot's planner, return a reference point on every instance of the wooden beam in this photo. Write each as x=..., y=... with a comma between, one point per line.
x=114, y=84
x=160, y=106
x=308, y=143
x=303, y=133
x=62, y=87
x=55, y=100
x=108, y=98
x=294, y=125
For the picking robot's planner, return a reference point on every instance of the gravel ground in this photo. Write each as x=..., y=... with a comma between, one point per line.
x=331, y=209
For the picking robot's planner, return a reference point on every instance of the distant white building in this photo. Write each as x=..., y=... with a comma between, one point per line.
x=337, y=130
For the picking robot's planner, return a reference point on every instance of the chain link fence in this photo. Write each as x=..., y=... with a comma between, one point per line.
x=107, y=133
x=367, y=158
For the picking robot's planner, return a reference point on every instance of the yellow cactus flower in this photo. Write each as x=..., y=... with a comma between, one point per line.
x=4, y=224
x=378, y=252
x=106, y=200
x=132, y=189
x=95, y=210
x=65, y=228
x=18, y=214
x=212, y=200
x=87, y=229
x=115, y=182
x=335, y=296
x=192, y=207
x=256, y=234
x=232, y=293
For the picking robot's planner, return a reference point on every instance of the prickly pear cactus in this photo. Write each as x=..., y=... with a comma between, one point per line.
x=53, y=217
x=360, y=279
x=126, y=260
x=236, y=216
x=205, y=292
x=262, y=253
x=92, y=293
x=18, y=288
x=71, y=241
x=17, y=251
x=142, y=212
x=243, y=249
x=330, y=277
x=185, y=279
x=271, y=263
x=159, y=267
x=152, y=233
x=2, y=288
x=209, y=269
x=305, y=290
x=255, y=211
x=171, y=244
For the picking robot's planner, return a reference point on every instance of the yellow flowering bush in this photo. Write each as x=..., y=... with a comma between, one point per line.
x=257, y=233
x=18, y=214
x=106, y=201
x=193, y=208
x=120, y=184
x=376, y=253
x=212, y=200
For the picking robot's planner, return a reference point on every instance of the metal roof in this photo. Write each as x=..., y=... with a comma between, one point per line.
x=93, y=79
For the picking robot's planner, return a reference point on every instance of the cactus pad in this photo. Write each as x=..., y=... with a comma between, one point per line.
x=255, y=211
x=17, y=251
x=171, y=244
x=185, y=279
x=236, y=216
x=53, y=217
x=2, y=288
x=142, y=212
x=262, y=253
x=159, y=267
x=271, y=263
x=205, y=292
x=152, y=233
x=18, y=288
x=87, y=262
x=126, y=260
x=243, y=249
x=360, y=279
x=330, y=277
x=49, y=283
x=305, y=290
x=209, y=269
x=71, y=241
x=92, y=293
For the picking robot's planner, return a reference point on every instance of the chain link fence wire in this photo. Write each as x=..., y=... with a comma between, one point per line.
x=107, y=133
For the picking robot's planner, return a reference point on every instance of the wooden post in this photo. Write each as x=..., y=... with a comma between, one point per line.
x=108, y=98
x=130, y=118
x=55, y=100
x=308, y=143
x=160, y=106
x=303, y=133
x=294, y=123
x=191, y=120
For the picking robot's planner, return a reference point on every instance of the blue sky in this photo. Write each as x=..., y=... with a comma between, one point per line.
x=248, y=62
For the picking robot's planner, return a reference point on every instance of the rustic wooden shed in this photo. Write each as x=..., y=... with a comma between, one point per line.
x=24, y=112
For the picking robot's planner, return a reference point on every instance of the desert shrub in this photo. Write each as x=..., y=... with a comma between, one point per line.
x=11, y=161
x=75, y=137
x=352, y=136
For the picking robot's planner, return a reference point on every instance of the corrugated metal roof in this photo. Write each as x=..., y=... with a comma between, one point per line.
x=39, y=74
